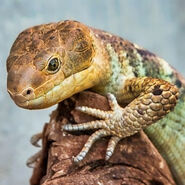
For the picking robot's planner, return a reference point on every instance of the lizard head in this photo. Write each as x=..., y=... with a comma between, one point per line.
x=45, y=61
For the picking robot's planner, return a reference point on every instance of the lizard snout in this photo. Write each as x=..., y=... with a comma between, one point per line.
x=22, y=98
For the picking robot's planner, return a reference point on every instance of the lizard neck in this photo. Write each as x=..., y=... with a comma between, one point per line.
x=116, y=75
x=96, y=75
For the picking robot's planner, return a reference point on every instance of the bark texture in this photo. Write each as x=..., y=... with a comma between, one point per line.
x=134, y=162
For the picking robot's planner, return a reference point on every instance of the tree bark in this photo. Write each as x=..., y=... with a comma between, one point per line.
x=135, y=160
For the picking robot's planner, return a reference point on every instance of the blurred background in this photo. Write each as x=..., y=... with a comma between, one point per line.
x=156, y=25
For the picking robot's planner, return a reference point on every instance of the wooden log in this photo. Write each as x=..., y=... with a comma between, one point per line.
x=135, y=160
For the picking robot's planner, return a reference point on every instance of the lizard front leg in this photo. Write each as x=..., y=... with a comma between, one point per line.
x=151, y=100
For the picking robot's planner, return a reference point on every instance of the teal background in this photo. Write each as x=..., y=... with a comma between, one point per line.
x=156, y=25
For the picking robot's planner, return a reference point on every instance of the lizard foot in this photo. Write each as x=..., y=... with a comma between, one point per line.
x=108, y=126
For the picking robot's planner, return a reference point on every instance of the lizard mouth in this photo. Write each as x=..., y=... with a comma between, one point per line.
x=49, y=98
x=19, y=100
x=68, y=87
x=23, y=104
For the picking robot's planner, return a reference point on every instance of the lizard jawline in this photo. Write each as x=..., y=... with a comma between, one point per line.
x=68, y=87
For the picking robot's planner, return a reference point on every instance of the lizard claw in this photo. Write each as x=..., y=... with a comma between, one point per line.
x=31, y=162
x=115, y=112
x=111, y=146
x=109, y=125
x=112, y=101
x=35, y=139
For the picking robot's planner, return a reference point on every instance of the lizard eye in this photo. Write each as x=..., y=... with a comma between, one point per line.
x=53, y=65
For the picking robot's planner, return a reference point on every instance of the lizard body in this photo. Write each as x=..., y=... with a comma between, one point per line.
x=51, y=62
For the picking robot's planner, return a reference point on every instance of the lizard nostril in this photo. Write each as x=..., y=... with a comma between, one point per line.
x=28, y=92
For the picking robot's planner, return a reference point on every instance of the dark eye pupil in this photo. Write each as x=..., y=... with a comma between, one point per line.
x=53, y=64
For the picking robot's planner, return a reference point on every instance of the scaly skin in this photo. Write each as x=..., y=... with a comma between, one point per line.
x=49, y=63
